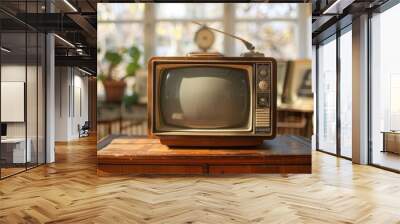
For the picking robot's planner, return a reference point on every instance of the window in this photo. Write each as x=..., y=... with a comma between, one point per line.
x=124, y=19
x=263, y=11
x=22, y=77
x=270, y=27
x=188, y=11
x=172, y=38
x=385, y=89
x=169, y=27
x=346, y=94
x=120, y=12
x=275, y=39
x=327, y=97
x=334, y=109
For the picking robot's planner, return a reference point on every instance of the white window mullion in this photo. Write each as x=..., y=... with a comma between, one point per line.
x=149, y=31
x=302, y=37
x=229, y=27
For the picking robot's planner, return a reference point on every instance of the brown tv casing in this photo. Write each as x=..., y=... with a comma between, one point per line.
x=189, y=138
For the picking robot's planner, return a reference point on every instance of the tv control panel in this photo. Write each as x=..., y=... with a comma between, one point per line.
x=263, y=99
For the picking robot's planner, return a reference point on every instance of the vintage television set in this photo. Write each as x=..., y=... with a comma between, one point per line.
x=206, y=99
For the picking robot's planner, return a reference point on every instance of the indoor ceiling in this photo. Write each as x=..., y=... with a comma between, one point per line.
x=332, y=15
x=73, y=21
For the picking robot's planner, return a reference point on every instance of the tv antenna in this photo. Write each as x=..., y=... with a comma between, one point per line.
x=247, y=44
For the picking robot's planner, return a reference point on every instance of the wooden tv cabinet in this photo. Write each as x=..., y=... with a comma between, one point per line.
x=130, y=156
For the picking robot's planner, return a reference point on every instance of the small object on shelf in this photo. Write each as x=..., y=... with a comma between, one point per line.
x=391, y=141
x=204, y=38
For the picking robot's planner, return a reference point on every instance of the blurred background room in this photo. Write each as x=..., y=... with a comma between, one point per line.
x=131, y=33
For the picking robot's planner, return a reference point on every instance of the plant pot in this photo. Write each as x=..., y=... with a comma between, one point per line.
x=114, y=90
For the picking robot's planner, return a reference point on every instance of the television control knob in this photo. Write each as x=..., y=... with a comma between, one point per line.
x=263, y=72
x=263, y=85
x=262, y=101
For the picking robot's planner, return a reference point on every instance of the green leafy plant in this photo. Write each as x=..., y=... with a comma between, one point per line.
x=114, y=58
x=133, y=66
x=130, y=100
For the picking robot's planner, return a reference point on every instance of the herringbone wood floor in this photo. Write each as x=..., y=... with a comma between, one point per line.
x=70, y=192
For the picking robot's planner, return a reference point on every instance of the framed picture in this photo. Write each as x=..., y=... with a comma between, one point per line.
x=298, y=83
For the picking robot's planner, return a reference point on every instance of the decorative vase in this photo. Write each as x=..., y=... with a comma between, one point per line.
x=115, y=90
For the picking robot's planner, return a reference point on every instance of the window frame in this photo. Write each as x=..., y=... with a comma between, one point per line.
x=343, y=31
x=42, y=38
x=228, y=21
x=334, y=37
x=380, y=9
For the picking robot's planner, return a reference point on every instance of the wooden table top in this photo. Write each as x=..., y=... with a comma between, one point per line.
x=145, y=148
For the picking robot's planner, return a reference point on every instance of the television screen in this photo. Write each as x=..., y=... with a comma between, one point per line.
x=205, y=98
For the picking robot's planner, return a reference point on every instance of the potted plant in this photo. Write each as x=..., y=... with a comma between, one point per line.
x=130, y=101
x=115, y=86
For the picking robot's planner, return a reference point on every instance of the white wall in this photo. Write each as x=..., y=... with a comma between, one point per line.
x=33, y=126
x=80, y=110
x=71, y=94
x=61, y=103
x=12, y=73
